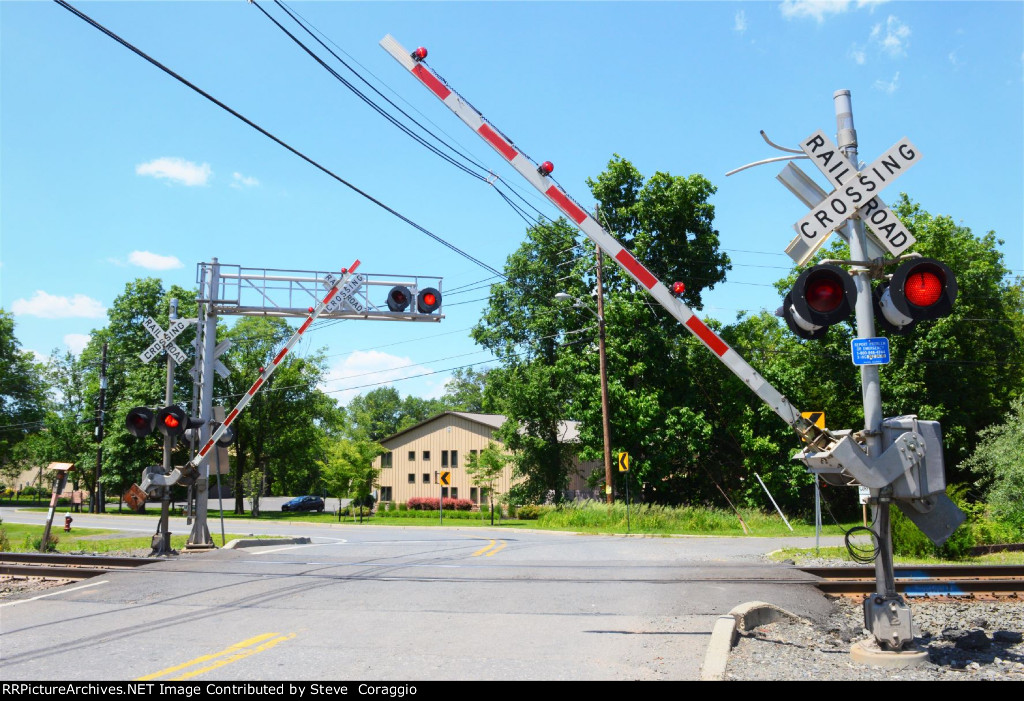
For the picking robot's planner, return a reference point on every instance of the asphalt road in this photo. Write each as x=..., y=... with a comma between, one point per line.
x=401, y=604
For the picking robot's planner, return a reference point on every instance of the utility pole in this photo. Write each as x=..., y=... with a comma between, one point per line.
x=97, y=492
x=603, y=360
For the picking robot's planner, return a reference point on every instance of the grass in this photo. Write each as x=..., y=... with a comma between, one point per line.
x=25, y=538
x=802, y=555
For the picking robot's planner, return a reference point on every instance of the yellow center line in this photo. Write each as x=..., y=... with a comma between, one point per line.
x=497, y=549
x=235, y=658
x=484, y=549
x=206, y=658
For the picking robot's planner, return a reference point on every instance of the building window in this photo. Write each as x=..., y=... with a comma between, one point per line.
x=385, y=459
x=473, y=454
x=426, y=456
x=412, y=456
x=426, y=478
x=444, y=492
x=455, y=458
x=473, y=495
x=444, y=458
x=412, y=478
x=385, y=493
x=455, y=492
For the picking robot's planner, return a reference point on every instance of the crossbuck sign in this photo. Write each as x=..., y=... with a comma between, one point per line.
x=165, y=339
x=855, y=193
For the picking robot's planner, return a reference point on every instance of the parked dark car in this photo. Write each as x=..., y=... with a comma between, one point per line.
x=307, y=503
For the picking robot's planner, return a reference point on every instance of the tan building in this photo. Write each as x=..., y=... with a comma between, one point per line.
x=444, y=443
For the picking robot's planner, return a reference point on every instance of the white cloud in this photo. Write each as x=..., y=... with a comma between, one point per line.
x=47, y=306
x=740, y=24
x=239, y=181
x=892, y=39
x=858, y=54
x=888, y=86
x=76, y=342
x=154, y=261
x=818, y=9
x=176, y=169
x=368, y=368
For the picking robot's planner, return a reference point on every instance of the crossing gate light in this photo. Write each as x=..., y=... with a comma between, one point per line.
x=140, y=421
x=399, y=298
x=822, y=296
x=429, y=300
x=172, y=421
x=921, y=289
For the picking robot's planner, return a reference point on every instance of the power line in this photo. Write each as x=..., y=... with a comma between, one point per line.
x=275, y=139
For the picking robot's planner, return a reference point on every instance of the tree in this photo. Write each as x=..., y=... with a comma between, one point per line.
x=278, y=446
x=130, y=382
x=549, y=368
x=962, y=370
x=22, y=390
x=348, y=470
x=522, y=327
x=998, y=461
x=486, y=469
x=466, y=390
x=382, y=412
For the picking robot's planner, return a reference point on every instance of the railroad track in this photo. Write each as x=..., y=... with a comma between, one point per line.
x=927, y=581
x=64, y=567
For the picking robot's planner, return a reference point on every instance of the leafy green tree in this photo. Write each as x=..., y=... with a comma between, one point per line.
x=486, y=469
x=130, y=382
x=278, y=444
x=67, y=434
x=998, y=461
x=382, y=412
x=348, y=470
x=535, y=381
x=962, y=370
x=466, y=390
x=22, y=390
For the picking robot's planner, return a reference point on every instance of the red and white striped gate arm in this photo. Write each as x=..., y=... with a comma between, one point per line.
x=596, y=233
x=266, y=372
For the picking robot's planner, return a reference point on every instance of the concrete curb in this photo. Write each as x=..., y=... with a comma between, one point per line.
x=257, y=542
x=743, y=617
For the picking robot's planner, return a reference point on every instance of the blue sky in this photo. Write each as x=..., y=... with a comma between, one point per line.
x=111, y=170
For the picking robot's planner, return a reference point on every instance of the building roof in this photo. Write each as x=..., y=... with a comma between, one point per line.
x=569, y=430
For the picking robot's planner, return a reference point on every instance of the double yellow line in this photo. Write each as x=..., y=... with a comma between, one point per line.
x=490, y=549
x=234, y=653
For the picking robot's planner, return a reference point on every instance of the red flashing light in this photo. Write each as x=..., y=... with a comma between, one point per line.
x=546, y=168
x=923, y=288
x=429, y=299
x=171, y=422
x=419, y=54
x=311, y=310
x=678, y=288
x=824, y=294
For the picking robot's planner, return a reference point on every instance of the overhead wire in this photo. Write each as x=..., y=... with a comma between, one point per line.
x=492, y=180
x=275, y=139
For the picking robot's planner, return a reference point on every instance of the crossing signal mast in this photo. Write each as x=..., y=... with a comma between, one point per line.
x=898, y=459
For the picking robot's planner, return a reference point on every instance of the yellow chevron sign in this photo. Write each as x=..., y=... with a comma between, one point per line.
x=815, y=417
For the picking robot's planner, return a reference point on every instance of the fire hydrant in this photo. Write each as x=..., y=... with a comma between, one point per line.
x=67, y=523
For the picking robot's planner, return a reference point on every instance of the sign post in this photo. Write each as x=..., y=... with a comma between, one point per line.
x=624, y=467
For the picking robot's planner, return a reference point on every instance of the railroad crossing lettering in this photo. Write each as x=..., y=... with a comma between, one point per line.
x=843, y=202
x=881, y=221
x=165, y=340
x=345, y=296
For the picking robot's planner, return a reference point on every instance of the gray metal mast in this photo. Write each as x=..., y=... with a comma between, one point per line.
x=886, y=614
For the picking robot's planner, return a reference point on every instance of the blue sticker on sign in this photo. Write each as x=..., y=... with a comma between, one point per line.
x=870, y=351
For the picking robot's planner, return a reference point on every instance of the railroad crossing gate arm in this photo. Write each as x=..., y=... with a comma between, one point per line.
x=540, y=179
x=189, y=472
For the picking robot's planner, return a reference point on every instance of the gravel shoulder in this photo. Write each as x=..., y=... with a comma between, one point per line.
x=965, y=641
